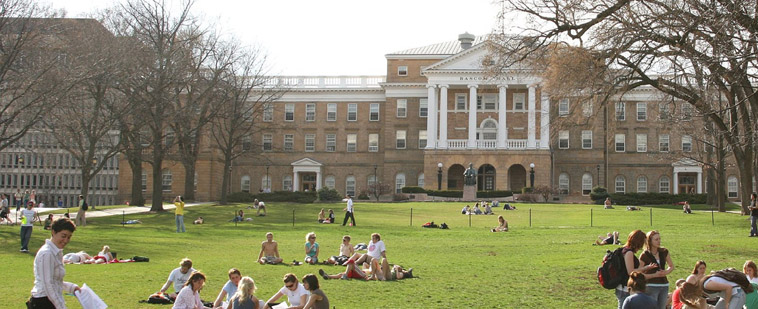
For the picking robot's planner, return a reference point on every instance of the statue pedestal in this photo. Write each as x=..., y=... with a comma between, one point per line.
x=469, y=193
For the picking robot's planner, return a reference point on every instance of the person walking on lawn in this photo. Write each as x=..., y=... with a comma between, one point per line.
x=349, y=210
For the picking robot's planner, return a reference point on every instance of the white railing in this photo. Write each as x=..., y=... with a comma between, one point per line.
x=511, y=144
x=486, y=144
x=326, y=81
x=516, y=143
x=457, y=144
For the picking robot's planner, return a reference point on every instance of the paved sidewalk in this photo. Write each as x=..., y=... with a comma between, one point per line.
x=128, y=210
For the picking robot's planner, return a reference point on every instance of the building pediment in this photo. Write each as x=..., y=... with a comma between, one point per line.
x=305, y=162
x=685, y=162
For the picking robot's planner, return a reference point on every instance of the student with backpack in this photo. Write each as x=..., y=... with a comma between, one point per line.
x=634, y=243
x=81, y=219
x=654, y=254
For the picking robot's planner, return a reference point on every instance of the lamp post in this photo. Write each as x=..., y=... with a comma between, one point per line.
x=598, y=174
x=268, y=181
x=531, y=175
x=439, y=176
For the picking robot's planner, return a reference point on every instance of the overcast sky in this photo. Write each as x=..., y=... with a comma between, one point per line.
x=332, y=37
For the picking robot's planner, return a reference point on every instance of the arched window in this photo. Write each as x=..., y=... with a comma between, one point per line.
x=586, y=184
x=399, y=182
x=167, y=180
x=287, y=183
x=563, y=183
x=421, y=180
x=370, y=181
x=329, y=182
x=641, y=184
x=620, y=184
x=664, y=185
x=244, y=183
x=732, y=185
x=350, y=185
x=266, y=183
x=488, y=130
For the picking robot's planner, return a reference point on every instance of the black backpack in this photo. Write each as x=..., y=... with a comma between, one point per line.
x=85, y=206
x=613, y=270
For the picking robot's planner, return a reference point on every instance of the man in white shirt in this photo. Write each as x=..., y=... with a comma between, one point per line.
x=376, y=250
x=5, y=209
x=178, y=277
x=349, y=210
x=28, y=216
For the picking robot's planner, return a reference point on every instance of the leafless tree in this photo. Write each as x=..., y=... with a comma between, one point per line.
x=698, y=52
x=246, y=94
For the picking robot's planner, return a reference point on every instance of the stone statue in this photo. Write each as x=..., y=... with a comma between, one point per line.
x=469, y=176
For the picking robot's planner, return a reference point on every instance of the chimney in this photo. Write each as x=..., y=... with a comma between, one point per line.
x=466, y=40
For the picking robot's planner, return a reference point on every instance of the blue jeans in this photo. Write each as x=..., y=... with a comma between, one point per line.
x=180, y=223
x=26, y=235
x=753, y=228
x=621, y=295
x=660, y=294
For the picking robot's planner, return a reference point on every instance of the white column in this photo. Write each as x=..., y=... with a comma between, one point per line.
x=472, y=117
x=318, y=180
x=545, y=121
x=431, y=119
x=700, y=182
x=531, y=134
x=442, y=144
x=296, y=182
x=502, y=131
x=676, y=182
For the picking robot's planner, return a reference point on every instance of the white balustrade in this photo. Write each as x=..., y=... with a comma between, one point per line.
x=325, y=81
x=457, y=143
x=486, y=144
x=516, y=143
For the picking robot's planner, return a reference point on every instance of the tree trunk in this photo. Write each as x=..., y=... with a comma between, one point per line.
x=157, y=202
x=745, y=167
x=137, y=199
x=226, y=180
x=720, y=176
x=86, y=177
x=189, y=181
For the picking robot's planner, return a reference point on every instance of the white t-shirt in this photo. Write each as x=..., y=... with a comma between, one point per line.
x=294, y=296
x=753, y=279
x=29, y=214
x=375, y=249
x=178, y=278
x=724, y=281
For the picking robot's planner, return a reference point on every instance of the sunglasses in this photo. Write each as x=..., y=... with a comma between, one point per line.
x=289, y=286
x=311, y=237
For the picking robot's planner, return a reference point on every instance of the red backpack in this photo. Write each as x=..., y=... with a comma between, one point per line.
x=613, y=270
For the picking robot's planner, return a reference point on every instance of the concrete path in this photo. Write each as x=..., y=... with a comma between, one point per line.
x=128, y=210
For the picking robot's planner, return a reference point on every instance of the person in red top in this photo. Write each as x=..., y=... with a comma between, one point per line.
x=676, y=301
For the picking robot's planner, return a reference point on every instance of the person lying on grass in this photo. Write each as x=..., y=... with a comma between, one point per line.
x=371, y=271
x=609, y=239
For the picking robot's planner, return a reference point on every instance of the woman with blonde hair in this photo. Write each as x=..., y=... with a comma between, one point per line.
x=634, y=242
x=244, y=298
x=502, y=226
x=657, y=283
x=311, y=248
x=106, y=253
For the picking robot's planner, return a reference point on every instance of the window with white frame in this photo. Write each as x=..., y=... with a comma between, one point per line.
x=421, y=180
x=267, y=142
x=373, y=142
x=352, y=142
x=331, y=142
x=370, y=181
x=402, y=70
x=350, y=185
x=329, y=182
x=266, y=183
x=287, y=183
x=422, y=139
x=664, y=185
x=519, y=100
x=686, y=143
x=586, y=184
x=400, y=139
x=268, y=112
x=641, y=111
x=487, y=101
x=245, y=184
x=563, y=107
x=620, y=142
x=168, y=138
x=587, y=109
x=563, y=183
x=331, y=112
x=310, y=142
x=620, y=184
x=399, y=182
x=167, y=180
x=587, y=139
x=144, y=181
x=289, y=112
x=641, y=142
x=373, y=114
x=732, y=186
x=563, y=139
x=641, y=184
x=289, y=142
x=423, y=107
x=460, y=101
x=310, y=112
x=352, y=112
x=402, y=108
x=663, y=143
x=620, y=111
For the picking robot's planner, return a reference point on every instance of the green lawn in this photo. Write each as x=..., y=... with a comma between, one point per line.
x=551, y=264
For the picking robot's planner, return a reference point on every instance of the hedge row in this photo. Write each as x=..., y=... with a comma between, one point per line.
x=278, y=196
x=479, y=194
x=654, y=198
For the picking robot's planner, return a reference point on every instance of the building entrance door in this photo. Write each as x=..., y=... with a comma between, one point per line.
x=517, y=176
x=308, y=181
x=687, y=183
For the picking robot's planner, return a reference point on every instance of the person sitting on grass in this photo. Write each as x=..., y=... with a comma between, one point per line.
x=317, y=299
x=612, y=238
x=488, y=209
x=239, y=217
x=297, y=295
x=751, y=271
x=230, y=288
x=466, y=210
x=322, y=216
x=245, y=296
x=331, y=216
x=269, y=251
x=261, y=206
x=178, y=277
x=48, y=221
x=686, y=208
x=502, y=225
x=346, y=251
x=311, y=249
x=189, y=296
x=608, y=204
x=476, y=210
x=638, y=299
